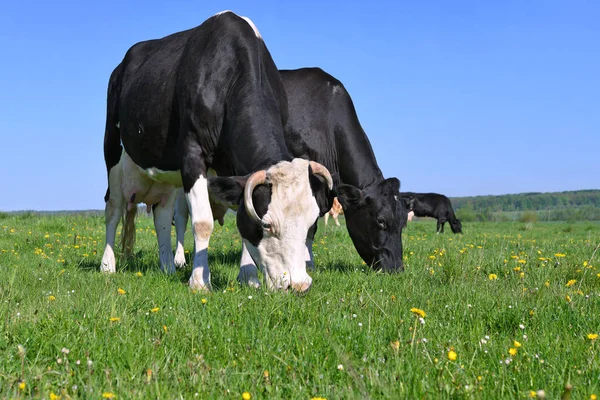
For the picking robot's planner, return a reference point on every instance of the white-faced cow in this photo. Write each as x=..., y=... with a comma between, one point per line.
x=323, y=126
x=432, y=205
x=209, y=98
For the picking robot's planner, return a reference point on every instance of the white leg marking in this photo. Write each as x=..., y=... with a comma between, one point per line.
x=326, y=218
x=202, y=223
x=112, y=214
x=181, y=220
x=163, y=217
x=310, y=261
x=248, y=272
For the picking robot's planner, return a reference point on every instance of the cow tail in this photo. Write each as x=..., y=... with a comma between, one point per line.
x=128, y=230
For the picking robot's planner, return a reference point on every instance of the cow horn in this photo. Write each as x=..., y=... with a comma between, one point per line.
x=257, y=178
x=319, y=169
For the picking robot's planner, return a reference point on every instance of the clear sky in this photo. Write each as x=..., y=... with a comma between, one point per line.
x=457, y=97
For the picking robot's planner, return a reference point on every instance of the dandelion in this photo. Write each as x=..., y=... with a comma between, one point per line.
x=559, y=255
x=108, y=395
x=593, y=397
x=492, y=277
x=139, y=273
x=516, y=344
x=121, y=291
x=452, y=355
x=53, y=396
x=571, y=282
x=395, y=345
x=547, y=283
x=165, y=328
x=246, y=396
x=532, y=394
x=155, y=309
x=22, y=385
x=418, y=311
x=592, y=336
x=512, y=351
x=318, y=398
x=114, y=319
x=521, y=261
x=51, y=298
x=568, y=298
x=522, y=275
x=204, y=301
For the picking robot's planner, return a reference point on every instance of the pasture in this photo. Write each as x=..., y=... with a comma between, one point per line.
x=509, y=309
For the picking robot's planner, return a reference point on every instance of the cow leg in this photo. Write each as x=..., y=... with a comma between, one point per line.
x=202, y=223
x=181, y=220
x=439, y=226
x=248, y=272
x=335, y=217
x=443, y=223
x=113, y=211
x=326, y=217
x=310, y=236
x=163, y=218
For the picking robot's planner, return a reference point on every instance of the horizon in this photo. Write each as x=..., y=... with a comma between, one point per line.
x=464, y=99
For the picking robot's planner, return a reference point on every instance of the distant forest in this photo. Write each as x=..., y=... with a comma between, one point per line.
x=579, y=205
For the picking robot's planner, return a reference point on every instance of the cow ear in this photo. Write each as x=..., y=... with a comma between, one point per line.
x=350, y=197
x=391, y=185
x=227, y=189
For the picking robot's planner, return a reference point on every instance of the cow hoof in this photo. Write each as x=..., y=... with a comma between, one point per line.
x=179, y=260
x=199, y=286
x=249, y=276
x=107, y=268
x=310, y=265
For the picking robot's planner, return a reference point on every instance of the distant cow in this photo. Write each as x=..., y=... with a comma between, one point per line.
x=432, y=205
x=209, y=99
x=336, y=210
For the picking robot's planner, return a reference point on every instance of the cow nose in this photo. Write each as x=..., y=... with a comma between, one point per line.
x=302, y=286
x=390, y=263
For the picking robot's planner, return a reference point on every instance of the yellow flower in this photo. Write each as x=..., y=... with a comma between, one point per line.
x=560, y=255
x=53, y=396
x=571, y=282
x=593, y=397
x=516, y=344
x=568, y=298
x=522, y=275
x=492, y=277
x=547, y=283
x=139, y=273
x=452, y=355
x=165, y=328
x=121, y=291
x=155, y=309
x=592, y=336
x=108, y=395
x=418, y=311
x=532, y=394
x=115, y=319
x=395, y=345
x=51, y=298
x=318, y=398
x=22, y=385
x=516, y=269
x=246, y=396
x=204, y=301
x=512, y=351
x=521, y=261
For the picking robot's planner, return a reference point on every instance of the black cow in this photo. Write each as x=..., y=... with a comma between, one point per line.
x=209, y=98
x=433, y=205
x=323, y=126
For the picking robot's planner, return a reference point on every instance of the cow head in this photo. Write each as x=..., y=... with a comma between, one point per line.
x=276, y=210
x=456, y=225
x=375, y=217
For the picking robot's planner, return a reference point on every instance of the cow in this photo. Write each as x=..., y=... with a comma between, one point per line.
x=204, y=109
x=432, y=205
x=323, y=126
x=336, y=209
x=409, y=217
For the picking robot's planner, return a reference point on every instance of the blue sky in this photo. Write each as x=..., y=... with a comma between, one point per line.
x=460, y=98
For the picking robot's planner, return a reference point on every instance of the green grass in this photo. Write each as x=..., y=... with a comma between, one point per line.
x=220, y=344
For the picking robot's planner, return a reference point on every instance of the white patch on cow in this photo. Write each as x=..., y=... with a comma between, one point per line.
x=202, y=226
x=118, y=124
x=181, y=219
x=113, y=212
x=292, y=211
x=248, y=272
x=410, y=216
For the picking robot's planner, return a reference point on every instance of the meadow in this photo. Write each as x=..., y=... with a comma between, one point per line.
x=504, y=311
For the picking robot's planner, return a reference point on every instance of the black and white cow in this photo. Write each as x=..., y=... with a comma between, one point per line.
x=323, y=126
x=209, y=98
x=432, y=205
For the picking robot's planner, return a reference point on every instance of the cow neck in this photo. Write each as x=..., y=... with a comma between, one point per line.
x=356, y=161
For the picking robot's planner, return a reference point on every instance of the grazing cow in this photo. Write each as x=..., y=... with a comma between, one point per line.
x=336, y=209
x=209, y=99
x=432, y=205
x=323, y=126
